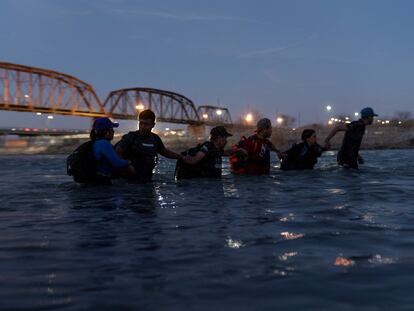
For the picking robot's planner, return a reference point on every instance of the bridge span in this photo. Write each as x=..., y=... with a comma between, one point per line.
x=30, y=89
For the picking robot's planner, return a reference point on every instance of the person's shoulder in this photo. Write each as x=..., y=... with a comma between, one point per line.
x=356, y=124
x=206, y=146
x=102, y=144
x=155, y=136
x=130, y=135
x=296, y=147
x=252, y=137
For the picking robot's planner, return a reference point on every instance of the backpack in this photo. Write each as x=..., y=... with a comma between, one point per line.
x=237, y=159
x=81, y=163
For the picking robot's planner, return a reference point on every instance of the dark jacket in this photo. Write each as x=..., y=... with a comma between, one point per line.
x=301, y=157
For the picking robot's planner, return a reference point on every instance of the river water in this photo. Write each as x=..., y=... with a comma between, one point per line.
x=328, y=239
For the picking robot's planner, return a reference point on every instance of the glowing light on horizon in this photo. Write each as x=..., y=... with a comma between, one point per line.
x=140, y=107
x=50, y=117
x=248, y=118
x=279, y=120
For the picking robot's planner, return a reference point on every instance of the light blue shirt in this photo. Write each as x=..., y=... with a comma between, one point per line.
x=106, y=157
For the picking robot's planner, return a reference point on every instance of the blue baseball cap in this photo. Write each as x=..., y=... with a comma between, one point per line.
x=368, y=112
x=104, y=123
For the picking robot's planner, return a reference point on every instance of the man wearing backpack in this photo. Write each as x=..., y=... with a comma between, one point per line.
x=252, y=155
x=142, y=147
x=205, y=159
x=94, y=161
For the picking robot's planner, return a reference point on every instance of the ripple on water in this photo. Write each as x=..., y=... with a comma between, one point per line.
x=304, y=240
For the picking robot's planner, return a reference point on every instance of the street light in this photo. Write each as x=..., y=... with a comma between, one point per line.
x=205, y=116
x=219, y=112
x=249, y=118
x=356, y=114
x=328, y=108
x=279, y=120
x=140, y=107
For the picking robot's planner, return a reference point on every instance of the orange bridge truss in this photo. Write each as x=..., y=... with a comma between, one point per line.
x=30, y=89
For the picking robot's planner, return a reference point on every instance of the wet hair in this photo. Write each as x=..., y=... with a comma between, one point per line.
x=307, y=133
x=147, y=114
x=263, y=124
x=95, y=135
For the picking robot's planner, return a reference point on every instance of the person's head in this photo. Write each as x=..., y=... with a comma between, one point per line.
x=309, y=136
x=367, y=115
x=264, y=128
x=218, y=135
x=146, y=121
x=103, y=128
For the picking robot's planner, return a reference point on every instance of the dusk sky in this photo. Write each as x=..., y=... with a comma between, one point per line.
x=272, y=56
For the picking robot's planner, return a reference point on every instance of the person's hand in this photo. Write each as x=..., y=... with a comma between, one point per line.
x=281, y=155
x=130, y=169
x=186, y=159
x=327, y=145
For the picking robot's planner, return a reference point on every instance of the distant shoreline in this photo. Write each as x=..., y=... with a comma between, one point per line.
x=376, y=138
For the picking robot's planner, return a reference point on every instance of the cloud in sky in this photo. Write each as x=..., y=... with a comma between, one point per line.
x=182, y=16
x=275, y=50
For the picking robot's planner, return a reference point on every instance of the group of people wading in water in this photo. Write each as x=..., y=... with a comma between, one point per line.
x=134, y=156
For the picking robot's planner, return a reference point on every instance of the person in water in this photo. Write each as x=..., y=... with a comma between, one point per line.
x=105, y=156
x=205, y=159
x=303, y=156
x=348, y=155
x=142, y=147
x=252, y=155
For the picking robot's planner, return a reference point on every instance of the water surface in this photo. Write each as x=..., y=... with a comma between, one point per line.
x=328, y=239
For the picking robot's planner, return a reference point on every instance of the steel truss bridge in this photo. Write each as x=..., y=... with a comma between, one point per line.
x=30, y=89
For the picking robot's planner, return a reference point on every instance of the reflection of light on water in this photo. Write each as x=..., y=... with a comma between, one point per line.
x=162, y=200
x=291, y=236
x=336, y=191
x=280, y=272
x=286, y=218
x=368, y=218
x=342, y=261
x=230, y=190
x=234, y=243
x=285, y=256
x=378, y=259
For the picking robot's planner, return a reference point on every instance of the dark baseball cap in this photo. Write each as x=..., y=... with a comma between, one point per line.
x=103, y=124
x=368, y=112
x=219, y=131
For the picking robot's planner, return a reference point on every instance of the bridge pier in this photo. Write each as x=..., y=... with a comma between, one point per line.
x=197, y=131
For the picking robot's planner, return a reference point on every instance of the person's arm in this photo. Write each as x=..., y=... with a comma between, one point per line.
x=120, y=151
x=170, y=154
x=194, y=159
x=109, y=153
x=336, y=129
x=123, y=145
x=280, y=154
x=164, y=151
